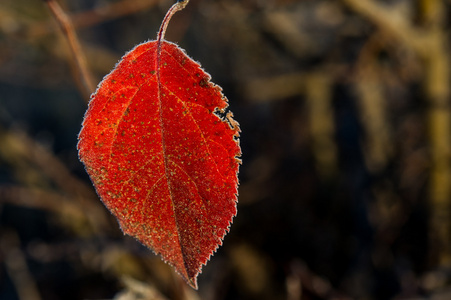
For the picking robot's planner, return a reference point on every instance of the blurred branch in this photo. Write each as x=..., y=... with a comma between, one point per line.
x=78, y=219
x=274, y=88
x=252, y=269
x=283, y=26
x=106, y=12
x=16, y=267
x=17, y=147
x=68, y=29
x=392, y=20
x=322, y=122
x=430, y=43
x=373, y=114
x=28, y=31
x=432, y=12
x=138, y=290
x=101, y=59
x=110, y=11
x=301, y=278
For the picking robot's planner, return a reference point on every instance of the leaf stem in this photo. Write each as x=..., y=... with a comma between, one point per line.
x=179, y=5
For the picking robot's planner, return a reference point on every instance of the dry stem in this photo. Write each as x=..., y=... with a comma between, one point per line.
x=66, y=26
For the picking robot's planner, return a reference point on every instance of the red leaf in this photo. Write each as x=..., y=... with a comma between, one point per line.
x=161, y=159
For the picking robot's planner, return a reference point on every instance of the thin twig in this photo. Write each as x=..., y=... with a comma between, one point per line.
x=69, y=32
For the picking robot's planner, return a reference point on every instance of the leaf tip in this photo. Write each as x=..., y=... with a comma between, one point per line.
x=192, y=282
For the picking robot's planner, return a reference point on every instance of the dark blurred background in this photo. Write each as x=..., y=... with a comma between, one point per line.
x=344, y=107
